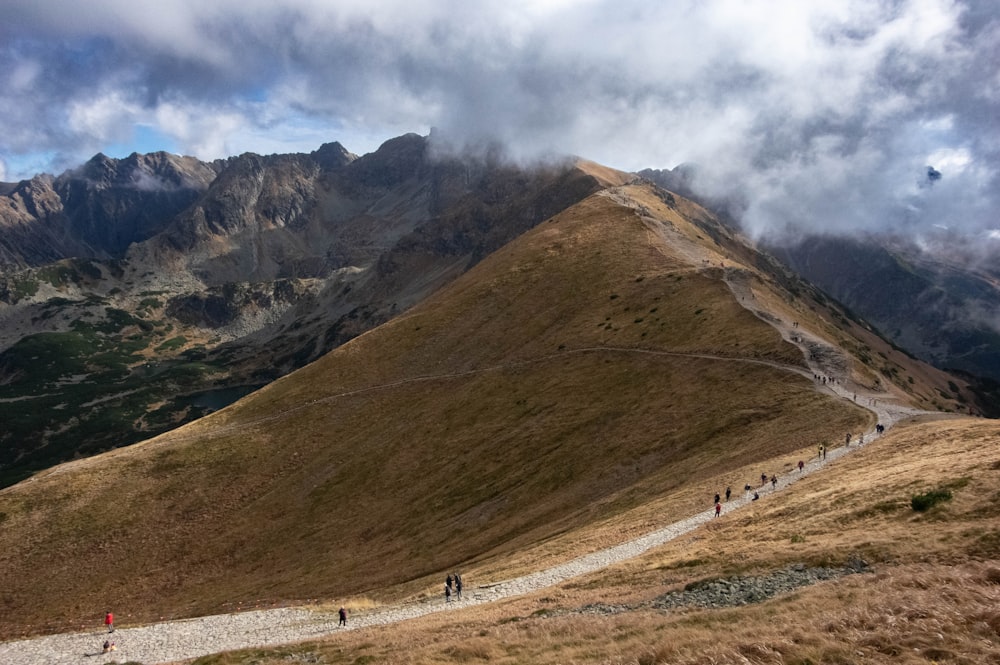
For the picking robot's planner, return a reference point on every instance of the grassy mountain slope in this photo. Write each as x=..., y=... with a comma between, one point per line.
x=545, y=389
x=930, y=596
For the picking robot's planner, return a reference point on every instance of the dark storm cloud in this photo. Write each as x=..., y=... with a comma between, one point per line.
x=817, y=115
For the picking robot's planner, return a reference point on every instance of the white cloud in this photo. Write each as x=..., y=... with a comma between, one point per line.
x=811, y=113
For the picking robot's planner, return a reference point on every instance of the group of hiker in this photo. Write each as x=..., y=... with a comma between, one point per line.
x=773, y=479
x=747, y=489
x=452, y=581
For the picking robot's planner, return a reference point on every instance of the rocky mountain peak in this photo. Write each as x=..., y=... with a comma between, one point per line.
x=157, y=171
x=332, y=156
x=395, y=160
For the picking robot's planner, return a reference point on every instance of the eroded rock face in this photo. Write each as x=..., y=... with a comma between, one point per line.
x=97, y=210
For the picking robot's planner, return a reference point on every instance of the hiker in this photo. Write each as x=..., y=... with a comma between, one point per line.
x=108, y=646
x=746, y=489
x=824, y=452
x=729, y=491
x=343, y=617
x=755, y=496
x=109, y=621
x=774, y=482
x=801, y=465
x=448, y=581
x=848, y=441
x=447, y=592
x=763, y=479
x=458, y=587
x=718, y=509
x=717, y=498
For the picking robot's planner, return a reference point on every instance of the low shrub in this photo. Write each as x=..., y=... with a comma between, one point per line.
x=924, y=502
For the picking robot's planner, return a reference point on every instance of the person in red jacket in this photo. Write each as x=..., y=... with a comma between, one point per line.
x=109, y=621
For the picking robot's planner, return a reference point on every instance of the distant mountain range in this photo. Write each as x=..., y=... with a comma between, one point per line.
x=141, y=293
x=138, y=294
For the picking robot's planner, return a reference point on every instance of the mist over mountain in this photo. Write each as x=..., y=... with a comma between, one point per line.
x=935, y=294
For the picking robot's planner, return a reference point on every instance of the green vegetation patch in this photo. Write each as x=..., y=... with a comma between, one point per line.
x=924, y=502
x=58, y=275
x=172, y=344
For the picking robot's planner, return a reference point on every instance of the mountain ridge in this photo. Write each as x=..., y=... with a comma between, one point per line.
x=276, y=261
x=583, y=350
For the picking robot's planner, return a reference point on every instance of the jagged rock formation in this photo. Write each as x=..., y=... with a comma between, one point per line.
x=97, y=210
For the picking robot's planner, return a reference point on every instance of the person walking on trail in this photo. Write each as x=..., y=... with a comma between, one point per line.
x=458, y=587
x=343, y=617
x=717, y=498
x=109, y=621
x=774, y=482
x=763, y=479
x=718, y=509
x=729, y=491
x=801, y=465
x=447, y=593
x=847, y=442
x=819, y=454
x=448, y=581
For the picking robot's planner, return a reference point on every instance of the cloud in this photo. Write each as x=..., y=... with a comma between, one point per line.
x=818, y=115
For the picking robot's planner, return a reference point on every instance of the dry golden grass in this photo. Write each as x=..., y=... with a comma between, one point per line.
x=584, y=375
x=933, y=595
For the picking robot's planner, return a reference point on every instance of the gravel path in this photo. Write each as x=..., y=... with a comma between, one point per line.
x=191, y=638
